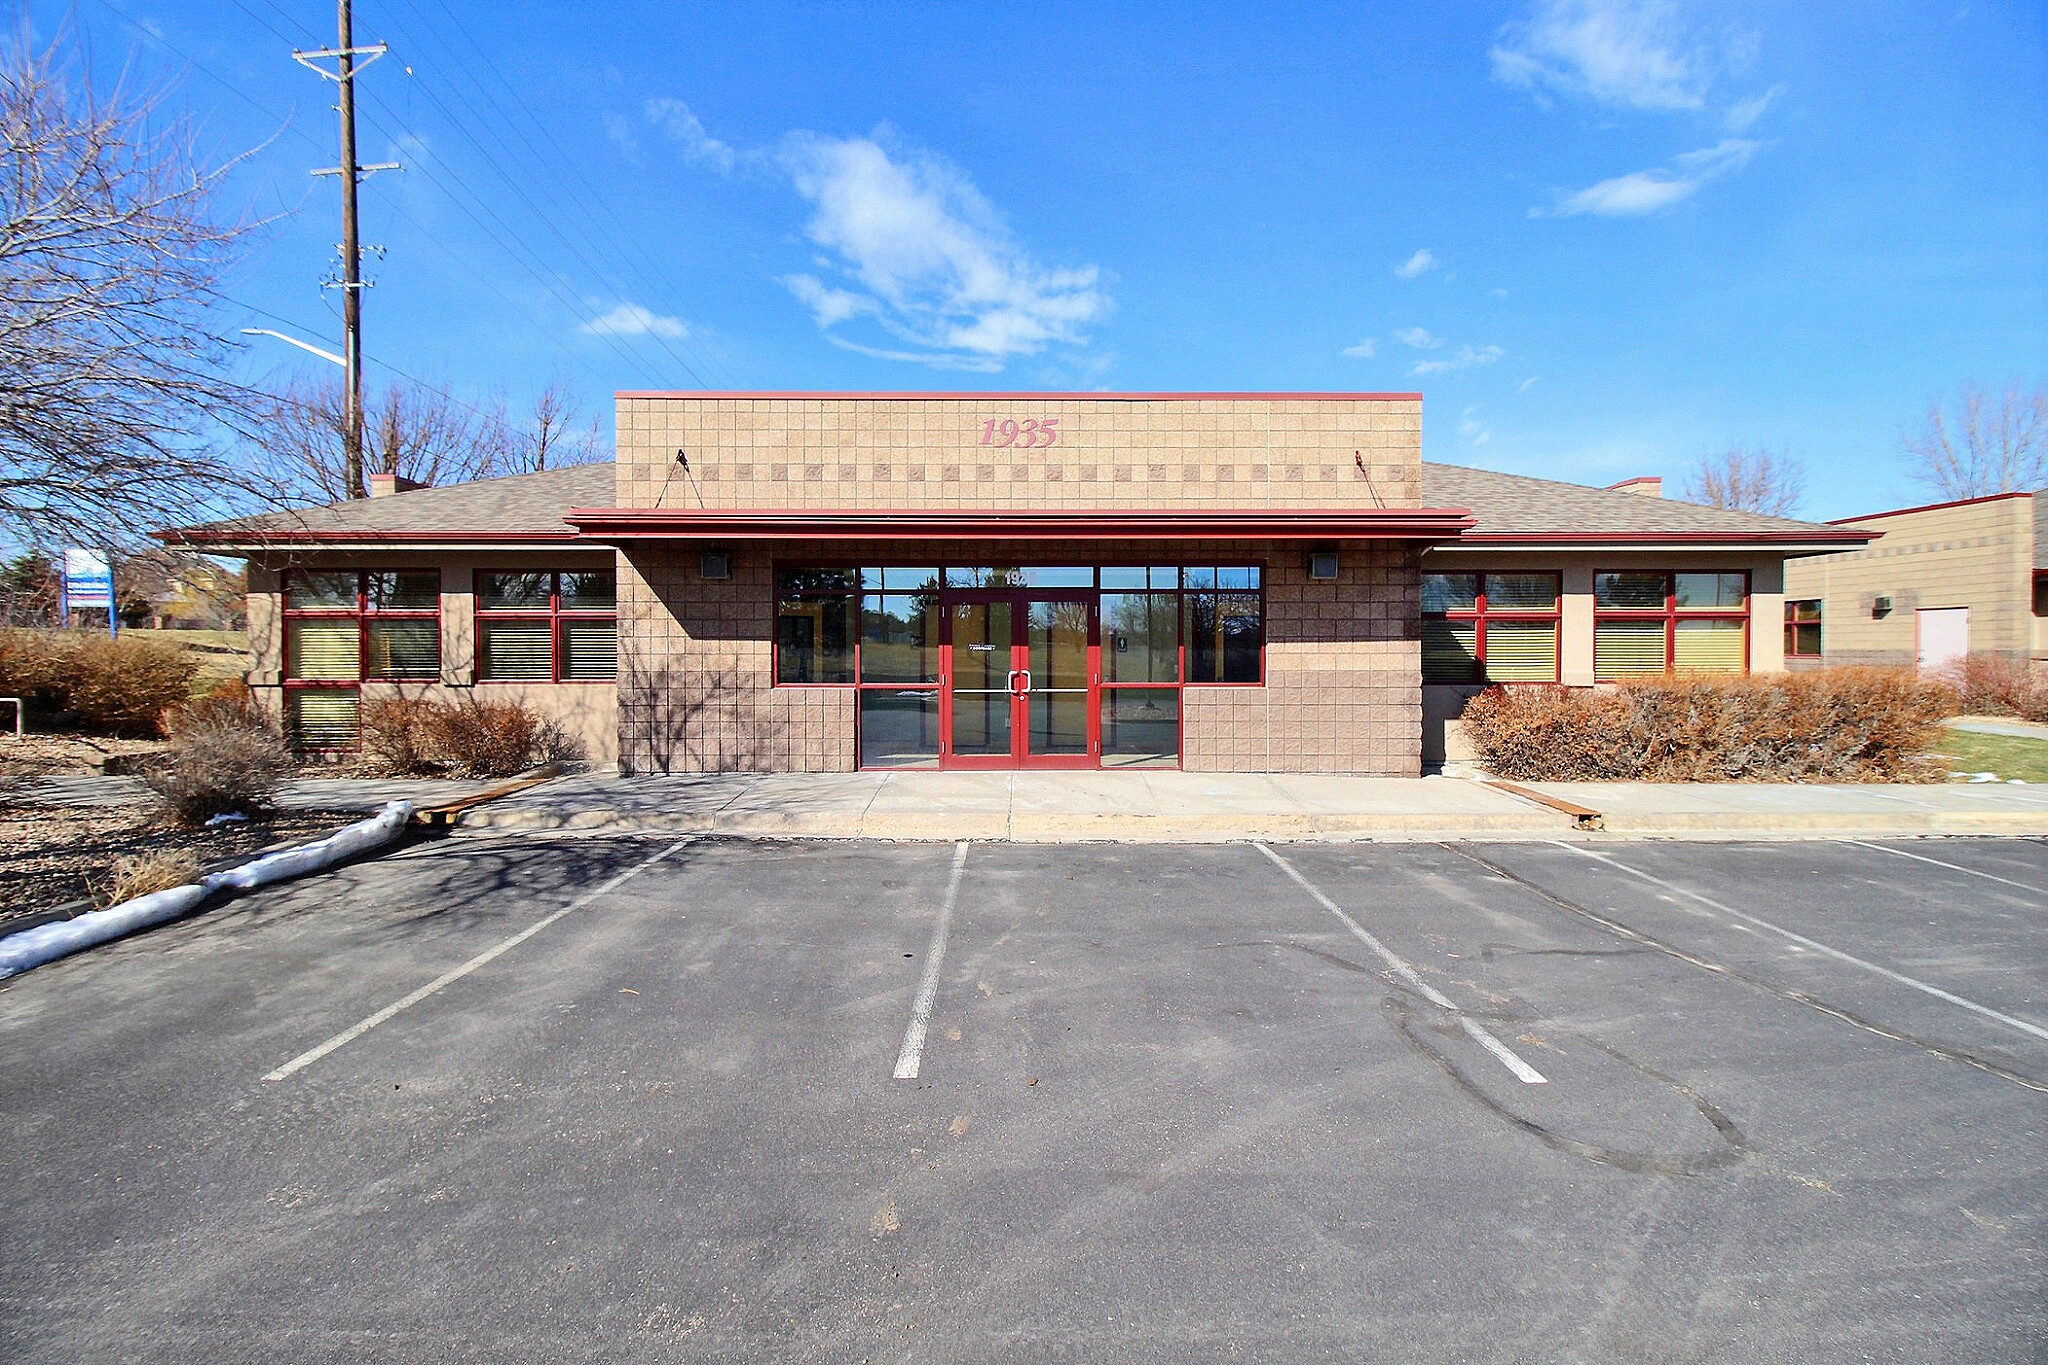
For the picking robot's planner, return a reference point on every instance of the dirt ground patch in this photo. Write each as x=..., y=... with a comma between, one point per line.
x=53, y=855
x=64, y=755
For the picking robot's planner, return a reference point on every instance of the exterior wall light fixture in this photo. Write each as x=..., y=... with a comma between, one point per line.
x=716, y=564
x=1322, y=566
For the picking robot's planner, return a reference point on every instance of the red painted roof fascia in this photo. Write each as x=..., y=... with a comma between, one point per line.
x=632, y=523
x=1929, y=507
x=1026, y=395
x=308, y=537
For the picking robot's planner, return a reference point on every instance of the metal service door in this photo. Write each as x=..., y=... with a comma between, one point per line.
x=1944, y=636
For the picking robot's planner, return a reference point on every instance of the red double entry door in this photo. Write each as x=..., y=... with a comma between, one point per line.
x=1020, y=685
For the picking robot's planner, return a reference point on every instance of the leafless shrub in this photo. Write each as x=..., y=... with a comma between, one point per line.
x=496, y=738
x=1992, y=685
x=111, y=260
x=218, y=765
x=399, y=734
x=1829, y=725
x=145, y=873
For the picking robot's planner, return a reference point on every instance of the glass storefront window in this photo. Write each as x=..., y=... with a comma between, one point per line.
x=1140, y=727
x=899, y=727
x=403, y=591
x=899, y=637
x=1225, y=635
x=1629, y=591
x=1707, y=591
x=1450, y=592
x=1140, y=637
x=814, y=638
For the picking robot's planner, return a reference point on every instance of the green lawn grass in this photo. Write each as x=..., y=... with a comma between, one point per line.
x=2009, y=756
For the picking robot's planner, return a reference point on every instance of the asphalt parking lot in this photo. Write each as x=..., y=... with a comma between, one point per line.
x=636, y=1098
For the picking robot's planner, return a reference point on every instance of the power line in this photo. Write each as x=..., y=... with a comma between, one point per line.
x=535, y=209
x=620, y=239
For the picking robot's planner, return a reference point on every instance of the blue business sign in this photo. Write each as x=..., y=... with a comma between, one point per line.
x=88, y=582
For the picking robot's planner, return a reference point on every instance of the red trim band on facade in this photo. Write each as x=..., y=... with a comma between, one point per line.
x=1024, y=395
x=1929, y=507
x=1818, y=536
x=609, y=524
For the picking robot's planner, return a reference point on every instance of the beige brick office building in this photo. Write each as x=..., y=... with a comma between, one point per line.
x=1945, y=580
x=820, y=582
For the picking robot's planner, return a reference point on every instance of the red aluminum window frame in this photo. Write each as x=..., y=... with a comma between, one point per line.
x=363, y=614
x=1480, y=612
x=1793, y=626
x=554, y=614
x=1672, y=613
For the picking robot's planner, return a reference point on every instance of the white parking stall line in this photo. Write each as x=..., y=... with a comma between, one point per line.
x=1815, y=944
x=1522, y=1071
x=1953, y=867
x=362, y=1026
x=912, y=1055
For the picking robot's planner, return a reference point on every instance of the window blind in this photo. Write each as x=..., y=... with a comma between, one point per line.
x=405, y=649
x=514, y=651
x=323, y=718
x=590, y=650
x=1450, y=651
x=325, y=650
x=1522, y=651
x=1708, y=647
x=1627, y=649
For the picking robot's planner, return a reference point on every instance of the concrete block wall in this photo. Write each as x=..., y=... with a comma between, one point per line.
x=1977, y=554
x=1343, y=659
x=926, y=451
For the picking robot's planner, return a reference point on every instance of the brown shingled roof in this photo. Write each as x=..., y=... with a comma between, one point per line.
x=531, y=505
x=1506, y=504
x=516, y=507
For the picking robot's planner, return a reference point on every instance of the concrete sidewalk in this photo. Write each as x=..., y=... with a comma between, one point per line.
x=311, y=793
x=1199, y=807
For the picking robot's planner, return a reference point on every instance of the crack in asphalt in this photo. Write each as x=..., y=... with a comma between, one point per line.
x=1847, y=1016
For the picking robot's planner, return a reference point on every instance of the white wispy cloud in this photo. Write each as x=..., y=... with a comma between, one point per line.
x=1418, y=338
x=1364, y=350
x=632, y=320
x=1471, y=428
x=1641, y=192
x=1743, y=114
x=1464, y=358
x=1629, y=53
x=1423, y=259
x=672, y=118
x=1527, y=384
x=921, y=251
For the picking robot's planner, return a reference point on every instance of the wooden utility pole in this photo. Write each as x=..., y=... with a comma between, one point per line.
x=345, y=53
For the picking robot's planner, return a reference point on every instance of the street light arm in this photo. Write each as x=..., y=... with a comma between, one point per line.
x=294, y=341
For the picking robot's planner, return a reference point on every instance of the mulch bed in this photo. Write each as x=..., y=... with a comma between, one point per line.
x=52, y=855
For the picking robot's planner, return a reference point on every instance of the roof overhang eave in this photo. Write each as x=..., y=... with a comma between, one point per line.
x=1773, y=542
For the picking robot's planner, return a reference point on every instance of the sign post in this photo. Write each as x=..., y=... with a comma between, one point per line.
x=89, y=582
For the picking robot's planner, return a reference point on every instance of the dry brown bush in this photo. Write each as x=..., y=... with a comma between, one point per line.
x=148, y=872
x=232, y=702
x=399, y=734
x=219, y=765
x=467, y=738
x=115, y=687
x=1993, y=685
x=1828, y=725
x=495, y=738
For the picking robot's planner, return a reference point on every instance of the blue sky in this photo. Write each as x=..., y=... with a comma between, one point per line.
x=1601, y=238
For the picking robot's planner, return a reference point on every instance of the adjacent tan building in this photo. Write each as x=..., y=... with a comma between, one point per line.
x=819, y=582
x=1943, y=581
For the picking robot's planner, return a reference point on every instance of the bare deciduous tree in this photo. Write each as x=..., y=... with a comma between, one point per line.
x=555, y=434
x=1987, y=442
x=1762, y=480
x=110, y=257
x=416, y=431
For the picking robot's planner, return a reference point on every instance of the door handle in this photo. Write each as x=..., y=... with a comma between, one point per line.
x=1025, y=674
